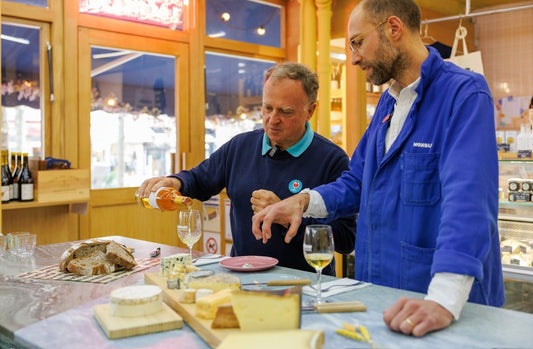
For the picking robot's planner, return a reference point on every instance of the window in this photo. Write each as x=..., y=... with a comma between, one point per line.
x=133, y=126
x=250, y=21
x=234, y=87
x=22, y=92
x=166, y=13
x=40, y=3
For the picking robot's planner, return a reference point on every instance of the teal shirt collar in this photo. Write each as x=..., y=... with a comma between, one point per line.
x=297, y=149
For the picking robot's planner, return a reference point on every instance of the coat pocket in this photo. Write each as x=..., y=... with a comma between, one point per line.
x=415, y=267
x=420, y=179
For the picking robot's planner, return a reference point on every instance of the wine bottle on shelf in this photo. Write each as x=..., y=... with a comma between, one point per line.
x=25, y=180
x=165, y=199
x=15, y=170
x=5, y=178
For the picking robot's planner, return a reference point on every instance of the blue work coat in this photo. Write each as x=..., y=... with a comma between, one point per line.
x=430, y=204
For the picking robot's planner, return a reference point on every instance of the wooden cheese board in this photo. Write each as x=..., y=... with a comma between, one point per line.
x=202, y=327
x=120, y=326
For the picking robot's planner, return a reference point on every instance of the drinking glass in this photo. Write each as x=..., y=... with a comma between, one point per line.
x=24, y=245
x=3, y=244
x=318, y=249
x=189, y=227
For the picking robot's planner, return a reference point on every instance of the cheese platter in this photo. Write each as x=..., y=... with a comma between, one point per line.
x=202, y=327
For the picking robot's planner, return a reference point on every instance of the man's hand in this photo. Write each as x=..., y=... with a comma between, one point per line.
x=262, y=198
x=416, y=316
x=155, y=183
x=289, y=210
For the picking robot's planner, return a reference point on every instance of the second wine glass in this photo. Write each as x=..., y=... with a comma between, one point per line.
x=189, y=228
x=318, y=250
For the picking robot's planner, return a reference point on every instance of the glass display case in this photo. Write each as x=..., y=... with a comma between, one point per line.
x=515, y=218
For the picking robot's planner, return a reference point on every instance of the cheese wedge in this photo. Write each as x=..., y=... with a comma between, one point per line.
x=216, y=282
x=294, y=339
x=133, y=301
x=206, y=307
x=258, y=311
x=179, y=259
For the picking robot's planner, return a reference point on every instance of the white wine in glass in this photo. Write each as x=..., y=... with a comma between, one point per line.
x=189, y=227
x=318, y=251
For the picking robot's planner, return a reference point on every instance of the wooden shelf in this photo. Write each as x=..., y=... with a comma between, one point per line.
x=18, y=205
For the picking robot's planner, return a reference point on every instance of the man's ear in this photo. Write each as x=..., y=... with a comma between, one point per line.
x=394, y=28
x=311, y=111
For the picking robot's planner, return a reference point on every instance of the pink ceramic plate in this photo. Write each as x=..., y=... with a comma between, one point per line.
x=248, y=263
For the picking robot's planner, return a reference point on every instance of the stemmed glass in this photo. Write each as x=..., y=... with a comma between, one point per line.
x=318, y=249
x=189, y=227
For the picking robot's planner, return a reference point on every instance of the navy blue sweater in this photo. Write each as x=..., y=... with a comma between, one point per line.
x=239, y=167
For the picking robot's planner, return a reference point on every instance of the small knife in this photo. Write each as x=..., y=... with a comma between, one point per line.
x=336, y=307
x=295, y=282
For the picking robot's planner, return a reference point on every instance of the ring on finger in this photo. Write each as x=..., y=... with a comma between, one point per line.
x=409, y=322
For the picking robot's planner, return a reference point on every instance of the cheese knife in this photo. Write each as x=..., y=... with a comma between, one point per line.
x=293, y=282
x=335, y=307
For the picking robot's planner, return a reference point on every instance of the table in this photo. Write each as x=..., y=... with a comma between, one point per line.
x=58, y=314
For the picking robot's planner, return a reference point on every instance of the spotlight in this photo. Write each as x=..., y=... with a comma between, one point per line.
x=261, y=30
x=225, y=17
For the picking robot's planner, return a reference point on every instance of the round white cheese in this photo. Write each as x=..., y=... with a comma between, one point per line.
x=138, y=300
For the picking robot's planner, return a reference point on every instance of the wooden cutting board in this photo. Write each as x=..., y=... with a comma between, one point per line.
x=121, y=326
x=202, y=327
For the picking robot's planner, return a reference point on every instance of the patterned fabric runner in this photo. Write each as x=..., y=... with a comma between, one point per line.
x=52, y=272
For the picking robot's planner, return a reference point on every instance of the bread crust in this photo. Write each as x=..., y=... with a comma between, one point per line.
x=120, y=255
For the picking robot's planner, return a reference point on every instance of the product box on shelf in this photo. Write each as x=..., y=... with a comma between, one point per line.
x=60, y=184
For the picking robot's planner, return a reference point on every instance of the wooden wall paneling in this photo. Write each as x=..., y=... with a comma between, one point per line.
x=51, y=224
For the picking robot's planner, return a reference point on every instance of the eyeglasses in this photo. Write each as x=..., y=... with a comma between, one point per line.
x=357, y=42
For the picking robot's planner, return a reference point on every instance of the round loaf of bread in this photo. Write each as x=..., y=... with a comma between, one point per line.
x=81, y=249
x=96, y=256
x=137, y=300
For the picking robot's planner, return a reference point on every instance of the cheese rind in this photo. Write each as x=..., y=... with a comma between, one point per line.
x=264, y=311
x=133, y=301
x=225, y=317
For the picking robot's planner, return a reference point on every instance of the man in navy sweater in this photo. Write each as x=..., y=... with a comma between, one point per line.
x=262, y=167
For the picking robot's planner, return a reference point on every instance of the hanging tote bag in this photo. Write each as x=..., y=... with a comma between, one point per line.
x=469, y=61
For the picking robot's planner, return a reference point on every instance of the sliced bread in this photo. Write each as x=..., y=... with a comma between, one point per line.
x=95, y=257
x=81, y=249
x=118, y=254
x=94, y=263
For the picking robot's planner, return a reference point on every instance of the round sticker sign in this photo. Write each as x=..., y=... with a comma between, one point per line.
x=295, y=186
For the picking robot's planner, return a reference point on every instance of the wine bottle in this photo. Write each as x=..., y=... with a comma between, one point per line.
x=25, y=180
x=5, y=178
x=164, y=199
x=15, y=170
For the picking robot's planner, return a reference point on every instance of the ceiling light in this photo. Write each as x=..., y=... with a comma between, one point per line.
x=225, y=17
x=15, y=39
x=261, y=30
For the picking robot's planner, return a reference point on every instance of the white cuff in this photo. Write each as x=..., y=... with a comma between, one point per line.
x=316, y=207
x=451, y=291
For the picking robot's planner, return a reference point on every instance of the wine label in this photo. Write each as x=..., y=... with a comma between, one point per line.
x=5, y=193
x=26, y=191
x=152, y=199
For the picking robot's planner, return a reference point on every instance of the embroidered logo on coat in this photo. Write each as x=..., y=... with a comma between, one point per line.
x=295, y=186
x=422, y=145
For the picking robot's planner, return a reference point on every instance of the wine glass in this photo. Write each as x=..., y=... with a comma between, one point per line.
x=318, y=249
x=189, y=227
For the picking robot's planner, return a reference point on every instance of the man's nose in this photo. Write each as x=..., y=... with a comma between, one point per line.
x=355, y=58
